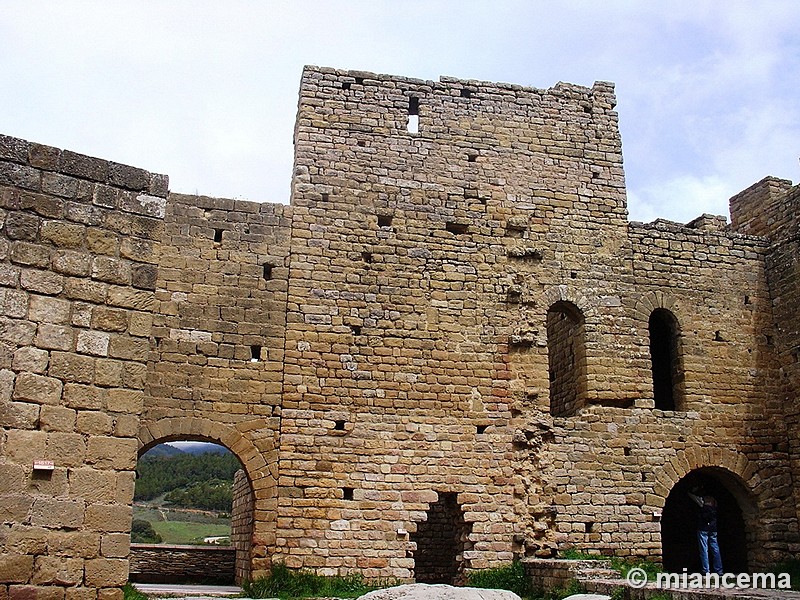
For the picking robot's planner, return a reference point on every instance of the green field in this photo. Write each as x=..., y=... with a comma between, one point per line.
x=182, y=532
x=178, y=526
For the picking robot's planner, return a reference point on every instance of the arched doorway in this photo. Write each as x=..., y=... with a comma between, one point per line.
x=679, y=521
x=665, y=360
x=204, y=500
x=566, y=351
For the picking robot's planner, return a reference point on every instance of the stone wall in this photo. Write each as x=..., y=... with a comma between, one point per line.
x=457, y=310
x=166, y=563
x=242, y=522
x=216, y=372
x=424, y=265
x=770, y=208
x=78, y=260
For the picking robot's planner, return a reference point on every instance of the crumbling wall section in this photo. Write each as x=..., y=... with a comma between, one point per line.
x=770, y=208
x=78, y=264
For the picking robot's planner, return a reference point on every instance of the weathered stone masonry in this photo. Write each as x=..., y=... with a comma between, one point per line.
x=450, y=325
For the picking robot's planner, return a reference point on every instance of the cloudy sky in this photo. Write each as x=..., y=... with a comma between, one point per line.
x=206, y=92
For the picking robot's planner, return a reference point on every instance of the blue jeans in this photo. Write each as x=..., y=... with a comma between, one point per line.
x=707, y=540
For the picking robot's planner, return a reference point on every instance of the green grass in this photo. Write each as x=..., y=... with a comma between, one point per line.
x=623, y=565
x=182, y=532
x=512, y=577
x=792, y=567
x=131, y=593
x=177, y=526
x=288, y=584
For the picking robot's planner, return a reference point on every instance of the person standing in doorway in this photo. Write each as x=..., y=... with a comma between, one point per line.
x=707, y=531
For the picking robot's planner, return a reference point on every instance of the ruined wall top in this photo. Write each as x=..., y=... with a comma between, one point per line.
x=767, y=208
x=61, y=170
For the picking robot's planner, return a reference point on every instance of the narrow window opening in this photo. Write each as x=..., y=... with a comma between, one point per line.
x=573, y=275
x=218, y=235
x=413, y=115
x=718, y=336
x=361, y=143
x=769, y=340
x=566, y=354
x=664, y=359
x=472, y=157
x=367, y=257
x=747, y=300
x=268, y=271
x=356, y=329
x=466, y=93
x=345, y=85
x=456, y=228
x=595, y=175
x=626, y=451
x=255, y=353
x=481, y=429
x=325, y=197
x=347, y=493
x=589, y=526
x=384, y=221
x=359, y=80
x=339, y=424
x=644, y=477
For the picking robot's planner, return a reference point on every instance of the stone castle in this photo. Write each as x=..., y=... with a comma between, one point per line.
x=449, y=350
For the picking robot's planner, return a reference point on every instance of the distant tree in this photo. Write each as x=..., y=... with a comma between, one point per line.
x=142, y=532
x=214, y=494
x=163, y=474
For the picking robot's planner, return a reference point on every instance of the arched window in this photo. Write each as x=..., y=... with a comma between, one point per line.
x=665, y=360
x=566, y=352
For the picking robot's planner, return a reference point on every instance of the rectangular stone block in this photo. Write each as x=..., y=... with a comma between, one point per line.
x=57, y=513
x=57, y=570
x=112, y=453
x=106, y=572
x=54, y=337
x=115, y=545
x=72, y=367
x=108, y=518
x=30, y=387
x=27, y=358
x=78, y=544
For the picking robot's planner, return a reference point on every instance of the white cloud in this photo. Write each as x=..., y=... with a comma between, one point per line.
x=207, y=92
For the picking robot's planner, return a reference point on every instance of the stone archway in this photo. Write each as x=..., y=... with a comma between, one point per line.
x=736, y=511
x=256, y=484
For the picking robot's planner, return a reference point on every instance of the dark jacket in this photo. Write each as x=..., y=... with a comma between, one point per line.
x=707, y=518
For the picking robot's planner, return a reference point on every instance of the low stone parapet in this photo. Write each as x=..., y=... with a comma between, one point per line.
x=162, y=563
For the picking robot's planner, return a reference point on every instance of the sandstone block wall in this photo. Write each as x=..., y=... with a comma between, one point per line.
x=162, y=563
x=216, y=371
x=770, y=208
x=78, y=264
x=450, y=323
x=242, y=521
x=431, y=267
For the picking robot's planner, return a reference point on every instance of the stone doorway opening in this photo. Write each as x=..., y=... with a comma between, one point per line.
x=195, y=498
x=441, y=541
x=736, y=512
